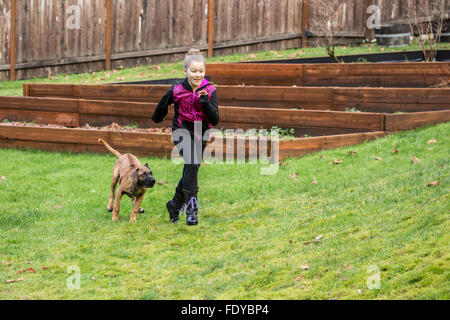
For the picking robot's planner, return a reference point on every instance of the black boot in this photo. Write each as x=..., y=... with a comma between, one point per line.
x=175, y=205
x=192, y=206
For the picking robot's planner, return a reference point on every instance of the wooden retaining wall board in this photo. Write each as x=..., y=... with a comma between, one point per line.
x=398, y=122
x=390, y=100
x=100, y=113
x=310, y=98
x=40, y=110
x=146, y=144
x=332, y=119
x=300, y=147
x=345, y=75
x=136, y=93
x=85, y=140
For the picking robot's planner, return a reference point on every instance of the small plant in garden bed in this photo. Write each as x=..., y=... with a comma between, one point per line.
x=283, y=134
x=132, y=125
x=352, y=110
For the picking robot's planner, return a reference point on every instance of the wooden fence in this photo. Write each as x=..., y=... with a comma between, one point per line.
x=388, y=100
x=43, y=37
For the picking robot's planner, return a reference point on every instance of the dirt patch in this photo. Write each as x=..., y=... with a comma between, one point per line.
x=112, y=127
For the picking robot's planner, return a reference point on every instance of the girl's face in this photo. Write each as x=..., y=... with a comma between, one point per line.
x=195, y=74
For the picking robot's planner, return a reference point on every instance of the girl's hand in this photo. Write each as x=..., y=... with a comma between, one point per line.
x=202, y=93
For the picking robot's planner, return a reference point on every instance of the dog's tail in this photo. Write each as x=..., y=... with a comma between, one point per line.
x=115, y=152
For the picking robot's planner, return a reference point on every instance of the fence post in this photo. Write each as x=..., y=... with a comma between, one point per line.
x=210, y=28
x=12, y=42
x=108, y=36
x=305, y=22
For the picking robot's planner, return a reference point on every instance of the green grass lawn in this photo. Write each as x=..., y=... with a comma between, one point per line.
x=252, y=239
x=175, y=70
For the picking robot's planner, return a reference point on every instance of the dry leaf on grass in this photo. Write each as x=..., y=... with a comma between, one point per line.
x=336, y=161
x=163, y=183
x=395, y=149
x=415, y=160
x=378, y=158
x=3, y=179
x=12, y=280
x=304, y=267
x=298, y=278
x=431, y=141
x=295, y=175
x=25, y=270
x=433, y=183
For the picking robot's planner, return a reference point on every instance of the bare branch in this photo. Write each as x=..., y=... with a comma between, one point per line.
x=427, y=22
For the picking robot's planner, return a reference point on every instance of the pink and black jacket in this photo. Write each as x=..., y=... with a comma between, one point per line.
x=189, y=107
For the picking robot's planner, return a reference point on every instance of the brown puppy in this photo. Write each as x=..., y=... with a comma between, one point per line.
x=133, y=178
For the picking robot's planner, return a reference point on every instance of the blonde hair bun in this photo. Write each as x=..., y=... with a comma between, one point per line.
x=193, y=52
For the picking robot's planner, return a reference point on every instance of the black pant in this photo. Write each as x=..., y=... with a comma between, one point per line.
x=189, y=178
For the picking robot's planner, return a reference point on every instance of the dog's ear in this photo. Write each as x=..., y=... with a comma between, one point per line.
x=135, y=176
x=146, y=165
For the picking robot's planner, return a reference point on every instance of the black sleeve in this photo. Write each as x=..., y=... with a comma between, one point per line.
x=163, y=106
x=211, y=108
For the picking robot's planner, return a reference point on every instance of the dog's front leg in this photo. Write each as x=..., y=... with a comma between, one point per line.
x=115, y=180
x=117, y=205
x=141, y=210
x=137, y=205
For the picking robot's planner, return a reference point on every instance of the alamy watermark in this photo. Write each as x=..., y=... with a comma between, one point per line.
x=73, y=282
x=74, y=19
x=374, y=280
x=229, y=147
x=374, y=20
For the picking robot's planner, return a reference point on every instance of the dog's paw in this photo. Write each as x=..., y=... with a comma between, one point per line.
x=132, y=220
x=115, y=219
